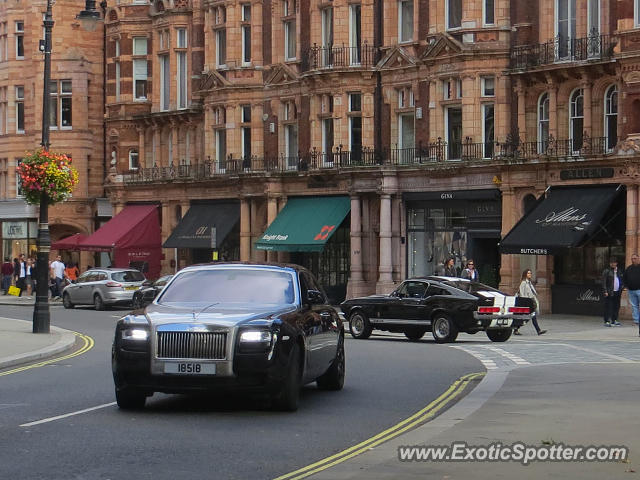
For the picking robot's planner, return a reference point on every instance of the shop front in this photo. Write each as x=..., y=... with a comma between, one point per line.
x=315, y=230
x=460, y=224
x=19, y=228
x=581, y=227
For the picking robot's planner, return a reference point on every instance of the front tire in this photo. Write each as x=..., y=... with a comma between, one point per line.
x=128, y=399
x=415, y=334
x=443, y=329
x=286, y=399
x=66, y=301
x=500, y=335
x=333, y=378
x=359, y=325
x=98, y=303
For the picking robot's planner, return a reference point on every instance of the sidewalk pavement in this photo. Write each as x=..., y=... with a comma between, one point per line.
x=572, y=404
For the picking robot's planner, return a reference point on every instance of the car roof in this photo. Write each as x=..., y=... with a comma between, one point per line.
x=239, y=265
x=112, y=269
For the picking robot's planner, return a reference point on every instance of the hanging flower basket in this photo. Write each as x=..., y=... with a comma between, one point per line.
x=47, y=173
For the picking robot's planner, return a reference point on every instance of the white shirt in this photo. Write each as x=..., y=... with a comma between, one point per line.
x=58, y=269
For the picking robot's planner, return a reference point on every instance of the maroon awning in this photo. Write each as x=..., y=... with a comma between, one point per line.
x=136, y=226
x=69, y=243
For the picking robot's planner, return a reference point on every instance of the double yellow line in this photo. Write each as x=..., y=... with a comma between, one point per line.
x=87, y=345
x=413, y=421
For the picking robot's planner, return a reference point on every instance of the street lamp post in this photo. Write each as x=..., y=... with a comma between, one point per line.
x=41, y=314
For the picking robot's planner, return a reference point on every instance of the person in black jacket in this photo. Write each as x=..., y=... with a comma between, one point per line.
x=612, y=284
x=631, y=280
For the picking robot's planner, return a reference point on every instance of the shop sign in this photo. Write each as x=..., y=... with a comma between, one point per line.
x=586, y=173
x=587, y=295
x=569, y=217
x=446, y=196
x=14, y=229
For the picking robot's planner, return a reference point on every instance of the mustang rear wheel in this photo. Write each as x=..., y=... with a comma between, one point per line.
x=500, y=335
x=333, y=379
x=415, y=334
x=287, y=398
x=128, y=399
x=66, y=301
x=443, y=329
x=359, y=325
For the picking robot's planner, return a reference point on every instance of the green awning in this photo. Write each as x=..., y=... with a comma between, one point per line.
x=305, y=224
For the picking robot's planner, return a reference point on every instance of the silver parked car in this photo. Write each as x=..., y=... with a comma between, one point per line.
x=103, y=286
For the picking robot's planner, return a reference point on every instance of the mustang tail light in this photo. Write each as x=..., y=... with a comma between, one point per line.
x=488, y=310
x=520, y=310
x=113, y=284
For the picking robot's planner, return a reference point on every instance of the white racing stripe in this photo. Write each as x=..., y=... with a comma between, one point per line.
x=66, y=415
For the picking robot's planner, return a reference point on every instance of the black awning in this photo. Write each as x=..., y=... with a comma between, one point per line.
x=195, y=228
x=563, y=217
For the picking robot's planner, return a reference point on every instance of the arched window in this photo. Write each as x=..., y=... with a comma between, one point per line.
x=611, y=117
x=543, y=122
x=576, y=119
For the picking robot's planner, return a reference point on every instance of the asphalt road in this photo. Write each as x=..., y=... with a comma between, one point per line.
x=195, y=437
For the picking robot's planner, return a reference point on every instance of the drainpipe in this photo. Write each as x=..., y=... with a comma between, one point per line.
x=377, y=114
x=103, y=6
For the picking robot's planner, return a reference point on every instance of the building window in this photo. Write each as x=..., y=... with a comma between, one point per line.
x=636, y=12
x=165, y=82
x=221, y=47
x=246, y=34
x=3, y=110
x=543, y=123
x=60, y=109
x=245, y=119
x=20, y=40
x=327, y=37
x=405, y=98
x=3, y=42
x=454, y=14
x=488, y=86
x=327, y=135
x=488, y=127
x=289, y=24
x=452, y=88
x=181, y=63
x=355, y=126
x=355, y=33
x=164, y=40
x=405, y=20
x=117, y=64
x=140, y=68
x=19, y=109
x=576, y=119
x=134, y=164
x=611, y=117
x=453, y=130
x=221, y=148
x=565, y=27
x=19, y=192
x=488, y=14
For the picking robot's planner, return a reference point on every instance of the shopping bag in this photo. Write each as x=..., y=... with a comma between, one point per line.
x=15, y=291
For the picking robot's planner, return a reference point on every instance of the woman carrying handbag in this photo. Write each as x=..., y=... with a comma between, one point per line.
x=527, y=290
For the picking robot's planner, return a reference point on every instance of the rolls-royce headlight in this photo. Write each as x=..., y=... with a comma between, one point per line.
x=255, y=336
x=135, y=334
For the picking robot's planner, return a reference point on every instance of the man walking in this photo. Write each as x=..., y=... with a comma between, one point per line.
x=612, y=283
x=631, y=279
x=21, y=274
x=57, y=273
x=7, y=273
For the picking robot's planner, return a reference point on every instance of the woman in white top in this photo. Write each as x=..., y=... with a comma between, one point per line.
x=527, y=290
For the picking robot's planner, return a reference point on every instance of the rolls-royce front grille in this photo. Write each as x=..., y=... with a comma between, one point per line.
x=199, y=345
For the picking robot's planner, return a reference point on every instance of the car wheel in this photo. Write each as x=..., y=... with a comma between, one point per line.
x=128, y=399
x=136, y=301
x=333, y=379
x=66, y=301
x=287, y=398
x=359, y=325
x=98, y=303
x=443, y=329
x=500, y=335
x=415, y=334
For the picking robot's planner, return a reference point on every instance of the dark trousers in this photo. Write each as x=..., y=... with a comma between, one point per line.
x=612, y=307
x=534, y=321
x=20, y=283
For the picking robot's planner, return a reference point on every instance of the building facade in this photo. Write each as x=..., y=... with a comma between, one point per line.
x=76, y=117
x=444, y=122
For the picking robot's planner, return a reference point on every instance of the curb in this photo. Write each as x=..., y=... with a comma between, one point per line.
x=67, y=340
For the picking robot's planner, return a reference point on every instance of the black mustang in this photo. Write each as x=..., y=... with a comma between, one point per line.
x=251, y=327
x=442, y=305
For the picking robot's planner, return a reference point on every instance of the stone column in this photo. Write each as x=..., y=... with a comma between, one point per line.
x=272, y=213
x=157, y=154
x=245, y=230
x=633, y=226
x=396, y=205
x=355, y=284
x=522, y=114
x=385, y=267
x=508, y=271
x=283, y=256
x=553, y=111
x=257, y=228
x=586, y=96
x=142, y=160
x=175, y=151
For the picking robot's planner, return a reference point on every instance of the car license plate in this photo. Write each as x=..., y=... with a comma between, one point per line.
x=501, y=322
x=190, y=368
x=133, y=287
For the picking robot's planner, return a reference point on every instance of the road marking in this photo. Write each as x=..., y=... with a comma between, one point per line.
x=454, y=390
x=514, y=358
x=66, y=415
x=88, y=345
x=486, y=361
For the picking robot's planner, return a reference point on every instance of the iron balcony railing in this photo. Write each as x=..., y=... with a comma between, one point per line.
x=333, y=56
x=563, y=49
x=430, y=154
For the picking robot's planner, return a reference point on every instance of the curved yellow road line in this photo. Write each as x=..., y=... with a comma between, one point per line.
x=88, y=345
x=418, y=418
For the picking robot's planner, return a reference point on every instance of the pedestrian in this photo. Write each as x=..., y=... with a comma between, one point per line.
x=527, y=290
x=450, y=268
x=28, y=281
x=72, y=272
x=21, y=282
x=631, y=280
x=57, y=273
x=16, y=270
x=7, y=274
x=612, y=284
x=470, y=273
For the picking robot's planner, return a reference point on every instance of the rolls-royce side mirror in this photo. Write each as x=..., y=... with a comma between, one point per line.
x=314, y=297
